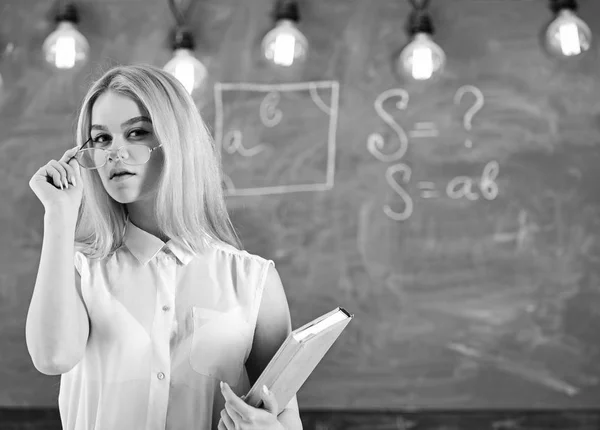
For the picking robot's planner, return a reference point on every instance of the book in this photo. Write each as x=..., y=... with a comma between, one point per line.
x=298, y=356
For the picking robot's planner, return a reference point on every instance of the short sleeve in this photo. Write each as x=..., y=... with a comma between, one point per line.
x=260, y=278
x=78, y=259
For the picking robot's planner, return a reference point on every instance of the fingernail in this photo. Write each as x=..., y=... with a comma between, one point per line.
x=265, y=389
x=73, y=181
x=221, y=384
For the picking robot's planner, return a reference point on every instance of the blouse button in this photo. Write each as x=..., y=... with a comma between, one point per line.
x=165, y=308
x=160, y=375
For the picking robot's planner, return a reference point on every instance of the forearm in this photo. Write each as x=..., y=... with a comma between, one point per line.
x=57, y=323
x=290, y=419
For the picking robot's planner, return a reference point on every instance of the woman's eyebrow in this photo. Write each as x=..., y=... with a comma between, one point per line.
x=125, y=124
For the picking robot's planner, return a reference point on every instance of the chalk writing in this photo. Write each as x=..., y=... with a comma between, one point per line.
x=523, y=235
x=375, y=141
x=269, y=114
x=429, y=189
x=470, y=113
x=462, y=186
x=262, y=145
x=424, y=129
x=459, y=187
x=488, y=185
x=232, y=143
x=398, y=175
x=531, y=373
x=406, y=198
x=316, y=98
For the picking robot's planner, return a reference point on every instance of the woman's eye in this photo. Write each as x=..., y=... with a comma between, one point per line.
x=138, y=133
x=100, y=140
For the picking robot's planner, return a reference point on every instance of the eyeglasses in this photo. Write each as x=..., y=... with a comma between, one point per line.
x=132, y=154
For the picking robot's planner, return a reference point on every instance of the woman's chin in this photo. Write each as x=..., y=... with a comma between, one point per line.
x=124, y=196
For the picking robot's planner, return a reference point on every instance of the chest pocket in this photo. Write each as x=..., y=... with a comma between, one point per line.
x=220, y=342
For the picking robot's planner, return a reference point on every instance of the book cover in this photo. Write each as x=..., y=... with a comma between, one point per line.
x=298, y=356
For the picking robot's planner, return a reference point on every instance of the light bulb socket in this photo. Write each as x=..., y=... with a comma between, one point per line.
x=183, y=39
x=286, y=9
x=558, y=5
x=420, y=22
x=67, y=13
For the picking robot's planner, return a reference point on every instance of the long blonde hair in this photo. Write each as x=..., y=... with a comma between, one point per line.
x=190, y=202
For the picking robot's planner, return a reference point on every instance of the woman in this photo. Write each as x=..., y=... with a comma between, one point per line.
x=163, y=305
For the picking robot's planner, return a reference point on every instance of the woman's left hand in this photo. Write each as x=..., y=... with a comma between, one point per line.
x=238, y=415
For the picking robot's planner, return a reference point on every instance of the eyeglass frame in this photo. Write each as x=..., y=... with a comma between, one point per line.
x=81, y=148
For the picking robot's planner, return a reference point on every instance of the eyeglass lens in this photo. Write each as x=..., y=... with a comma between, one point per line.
x=131, y=154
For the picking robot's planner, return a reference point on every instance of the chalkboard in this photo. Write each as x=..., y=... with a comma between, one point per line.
x=459, y=221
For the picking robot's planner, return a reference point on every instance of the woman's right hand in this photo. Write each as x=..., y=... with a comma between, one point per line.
x=58, y=184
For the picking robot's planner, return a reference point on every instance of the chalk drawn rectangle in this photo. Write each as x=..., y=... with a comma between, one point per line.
x=276, y=138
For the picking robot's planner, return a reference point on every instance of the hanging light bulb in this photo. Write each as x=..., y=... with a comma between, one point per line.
x=422, y=59
x=184, y=65
x=66, y=47
x=285, y=45
x=568, y=35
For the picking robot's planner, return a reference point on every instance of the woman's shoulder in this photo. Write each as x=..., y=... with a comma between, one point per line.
x=234, y=252
x=83, y=251
x=86, y=251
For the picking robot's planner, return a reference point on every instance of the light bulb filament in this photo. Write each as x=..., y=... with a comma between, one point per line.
x=422, y=63
x=283, y=49
x=65, y=52
x=569, y=39
x=422, y=59
x=187, y=69
x=184, y=71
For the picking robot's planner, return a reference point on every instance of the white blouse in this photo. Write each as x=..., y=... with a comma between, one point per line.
x=166, y=326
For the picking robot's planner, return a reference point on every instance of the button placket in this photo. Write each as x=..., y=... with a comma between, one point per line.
x=164, y=320
x=168, y=259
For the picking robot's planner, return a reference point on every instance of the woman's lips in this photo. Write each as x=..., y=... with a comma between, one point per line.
x=123, y=177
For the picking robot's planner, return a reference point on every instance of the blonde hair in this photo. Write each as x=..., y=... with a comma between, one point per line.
x=190, y=202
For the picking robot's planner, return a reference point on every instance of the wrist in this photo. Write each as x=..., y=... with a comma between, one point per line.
x=57, y=214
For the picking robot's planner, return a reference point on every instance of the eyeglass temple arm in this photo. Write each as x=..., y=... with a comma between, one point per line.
x=79, y=149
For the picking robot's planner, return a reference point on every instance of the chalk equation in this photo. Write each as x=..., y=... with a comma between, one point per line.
x=253, y=132
x=398, y=175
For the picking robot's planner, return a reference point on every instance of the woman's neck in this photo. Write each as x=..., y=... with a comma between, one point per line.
x=142, y=216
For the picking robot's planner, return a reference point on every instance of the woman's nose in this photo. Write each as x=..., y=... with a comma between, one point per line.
x=113, y=149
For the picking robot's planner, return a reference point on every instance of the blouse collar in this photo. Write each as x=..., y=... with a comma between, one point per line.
x=145, y=246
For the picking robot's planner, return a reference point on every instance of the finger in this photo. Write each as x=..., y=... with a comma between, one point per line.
x=269, y=400
x=70, y=172
x=233, y=414
x=69, y=153
x=49, y=174
x=69, y=157
x=63, y=172
x=227, y=421
x=74, y=163
x=221, y=426
x=43, y=174
x=238, y=404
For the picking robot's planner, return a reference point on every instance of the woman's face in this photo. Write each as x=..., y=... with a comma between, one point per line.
x=118, y=121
